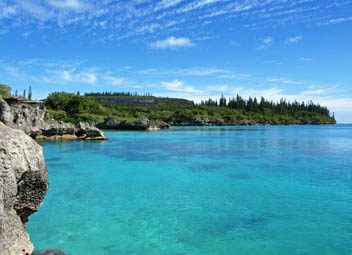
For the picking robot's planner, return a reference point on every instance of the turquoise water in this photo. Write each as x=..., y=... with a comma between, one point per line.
x=219, y=190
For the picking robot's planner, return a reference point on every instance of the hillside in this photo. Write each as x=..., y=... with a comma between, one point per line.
x=128, y=108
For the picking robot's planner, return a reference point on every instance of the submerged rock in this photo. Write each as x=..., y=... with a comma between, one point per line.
x=29, y=117
x=23, y=185
x=49, y=252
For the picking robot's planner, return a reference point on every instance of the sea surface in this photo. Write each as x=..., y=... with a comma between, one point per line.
x=283, y=190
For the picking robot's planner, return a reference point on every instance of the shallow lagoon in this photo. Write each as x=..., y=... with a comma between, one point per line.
x=200, y=190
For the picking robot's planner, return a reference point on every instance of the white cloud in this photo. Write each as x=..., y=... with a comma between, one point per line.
x=266, y=43
x=179, y=86
x=36, y=10
x=294, y=39
x=338, y=20
x=7, y=11
x=117, y=20
x=68, y=4
x=305, y=59
x=164, y=4
x=81, y=77
x=314, y=92
x=284, y=81
x=203, y=71
x=113, y=80
x=197, y=5
x=172, y=43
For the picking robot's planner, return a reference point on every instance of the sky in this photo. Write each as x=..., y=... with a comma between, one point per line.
x=195, y=49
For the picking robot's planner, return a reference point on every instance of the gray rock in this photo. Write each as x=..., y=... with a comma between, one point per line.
x=29, y=116
x=88, y=132
x=23, y=184
x=5, y=111
x=134, y=124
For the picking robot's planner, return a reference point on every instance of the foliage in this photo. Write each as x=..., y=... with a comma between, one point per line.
x=94, y=107
x=57, y=115
x=5, y=90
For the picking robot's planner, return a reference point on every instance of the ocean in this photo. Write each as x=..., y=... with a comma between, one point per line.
x=200, y=190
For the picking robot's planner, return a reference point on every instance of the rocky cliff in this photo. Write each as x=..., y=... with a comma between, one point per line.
x=136, y=124
x=29, y=116
x=23, y=185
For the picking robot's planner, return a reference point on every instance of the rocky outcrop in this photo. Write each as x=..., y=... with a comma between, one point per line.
x=29, y=116
x=137, y=124
x=23, y=185
x=200, y=121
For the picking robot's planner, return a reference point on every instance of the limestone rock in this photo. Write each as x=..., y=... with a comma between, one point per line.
x=88, y=132
x=134, y=124
x=23, y=184
x=29, y=116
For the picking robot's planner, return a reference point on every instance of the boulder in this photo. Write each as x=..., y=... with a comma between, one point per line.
x=88, y=132
x=23, y=185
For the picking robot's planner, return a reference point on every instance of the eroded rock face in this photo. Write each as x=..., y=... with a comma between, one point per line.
x=29, y=117
x=23, y=184
x=137, y=124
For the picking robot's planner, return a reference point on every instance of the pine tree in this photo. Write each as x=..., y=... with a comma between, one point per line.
x=30, y=93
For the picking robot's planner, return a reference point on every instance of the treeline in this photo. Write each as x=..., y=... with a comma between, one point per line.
x=234, y=111
x=6, y=91
x=283, y=107
x=124, y=94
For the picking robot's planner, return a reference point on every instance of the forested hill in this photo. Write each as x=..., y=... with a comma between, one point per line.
x=124, y=106
x=128, y=98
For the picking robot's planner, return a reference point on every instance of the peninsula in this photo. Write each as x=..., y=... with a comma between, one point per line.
x=133, y=111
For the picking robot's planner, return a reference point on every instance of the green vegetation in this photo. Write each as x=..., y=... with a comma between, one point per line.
x=73, y=108
x=97, y=107
x=5, y=90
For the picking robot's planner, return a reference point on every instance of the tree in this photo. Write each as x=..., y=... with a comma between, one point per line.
x=30, y=93
x=222, y=101
x=5, y=90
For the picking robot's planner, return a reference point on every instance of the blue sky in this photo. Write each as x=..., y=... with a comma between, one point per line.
x=195, y=49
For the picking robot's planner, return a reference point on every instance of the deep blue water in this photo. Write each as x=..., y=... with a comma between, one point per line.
x=219, y=190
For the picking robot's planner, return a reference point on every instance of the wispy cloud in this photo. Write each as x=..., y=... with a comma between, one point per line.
x=294, y=39
x=81, y=77
x=284, y=81
x=172, y=43
x=265, y=43
x=76, y=5
x=338, y=20
x=164, y=4
x=305, y=59
x=118, y=20
x=179, y=86
x=114, y=80
x=314, y=92
x=197, y=5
